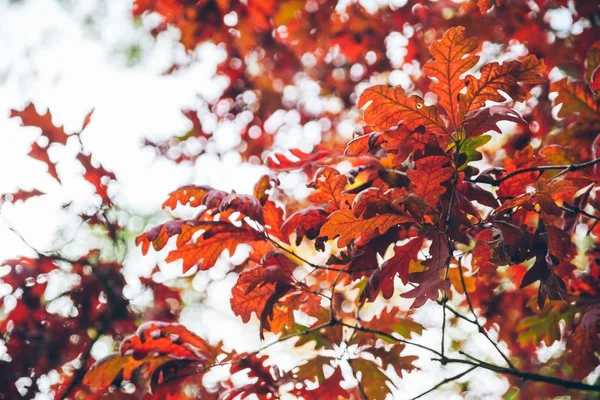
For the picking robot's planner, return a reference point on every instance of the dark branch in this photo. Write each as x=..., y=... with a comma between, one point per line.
x=447, y=380
x=563, y=168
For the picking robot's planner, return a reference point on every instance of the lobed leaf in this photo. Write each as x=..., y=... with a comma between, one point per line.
x=344, y=224
x=505, y=77
x=388, y=107
x=451, y=59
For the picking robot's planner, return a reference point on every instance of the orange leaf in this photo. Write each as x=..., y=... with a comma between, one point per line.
x=575, y=97
x=429, y=176
x=329, y=185
x=153, y=345
x=207, y=248
x=454, y=276
x=281, y=162
x=273, y=217
x=259, y=289
x=344, y=224
x=305, y=222
x=390, y=106
x=402, y=142
x=191, y=195
x=505, y=77
x=452, y=59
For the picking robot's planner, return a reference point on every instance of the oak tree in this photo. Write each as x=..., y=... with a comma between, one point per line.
x=474, y=187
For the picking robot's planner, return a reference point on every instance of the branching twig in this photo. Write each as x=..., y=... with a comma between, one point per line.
x=479, y=326
x=524, y=375
x=447, y=380
x=564, y=169
x=578, y=210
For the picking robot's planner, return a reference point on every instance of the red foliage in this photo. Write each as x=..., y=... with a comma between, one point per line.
x=515, y=245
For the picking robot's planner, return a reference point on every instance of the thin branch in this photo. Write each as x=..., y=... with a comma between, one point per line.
x=578, y=210
x=564, y=169
x=449, y=244
x=482, y=364
x=447, y=380
x=479, y=326
x=389, y=336
x=456, y=313
x=524, y=375
x=279, y=340
x=313, y=265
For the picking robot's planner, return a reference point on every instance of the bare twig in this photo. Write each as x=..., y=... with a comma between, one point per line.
x=563, y=168
x=479, y=326
x=447, y=380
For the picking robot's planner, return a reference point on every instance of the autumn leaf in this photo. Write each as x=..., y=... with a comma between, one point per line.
x=30, y=117
x=551, y=285
x=583, y=345
x=503, y=77
x=456, y=281
x=451, y=59
x=402, y=142
x=265, y=184
x=363, y=144
x=393, y=357
x=344, y=224
x=330, y=388
x=259, y=289
x=21, y=195
x=273, y=221
x=153, y=345
x=299, y=159
x=97, y=176
x=329, y=187
x=305, y=223
x=388, y=107
x=430, y=281
x=160, y=234
x=427, y=179
x=243, y=203
x=206, y=248
x=575, y=97
x=374, y=382
x=592, y=63
x=398, y=265
x=478, y=122
x=191, y=195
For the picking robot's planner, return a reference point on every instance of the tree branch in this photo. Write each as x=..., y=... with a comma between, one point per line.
x=524, y=375
x=578, y=210
x=447, y=380
x=476, y=321
x=563, y=168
